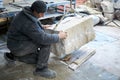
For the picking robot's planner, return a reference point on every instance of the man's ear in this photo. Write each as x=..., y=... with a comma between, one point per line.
x=35, y=13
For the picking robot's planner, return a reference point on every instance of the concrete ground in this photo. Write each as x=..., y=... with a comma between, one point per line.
x=104, y=65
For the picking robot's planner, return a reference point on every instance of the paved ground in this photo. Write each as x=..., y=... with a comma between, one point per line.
x=104, y=65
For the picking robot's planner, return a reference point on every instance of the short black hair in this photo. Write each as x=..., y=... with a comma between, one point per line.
x=39, y=6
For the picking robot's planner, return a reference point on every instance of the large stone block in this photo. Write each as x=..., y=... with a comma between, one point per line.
x=79, y=30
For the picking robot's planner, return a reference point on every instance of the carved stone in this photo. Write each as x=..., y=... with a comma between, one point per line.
x=79, y=31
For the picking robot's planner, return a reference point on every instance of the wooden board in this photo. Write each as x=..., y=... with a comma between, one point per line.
x=3, y=21
x=86, y=54
x=78, y=57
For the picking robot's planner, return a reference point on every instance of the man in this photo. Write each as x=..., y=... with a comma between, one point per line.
x=28, y=42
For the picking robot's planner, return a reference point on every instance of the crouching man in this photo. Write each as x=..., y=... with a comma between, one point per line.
x=28, y=42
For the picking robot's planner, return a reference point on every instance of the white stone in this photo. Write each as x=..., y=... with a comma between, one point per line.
x=79, y=31
x=108, y=9
x=117, y=4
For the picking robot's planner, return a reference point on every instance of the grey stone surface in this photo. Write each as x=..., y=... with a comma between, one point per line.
x=87, y=71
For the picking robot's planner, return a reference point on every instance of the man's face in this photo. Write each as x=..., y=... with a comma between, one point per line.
x=38, y=15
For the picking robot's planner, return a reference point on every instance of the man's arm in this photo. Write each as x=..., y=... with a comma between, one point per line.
x=39, y=36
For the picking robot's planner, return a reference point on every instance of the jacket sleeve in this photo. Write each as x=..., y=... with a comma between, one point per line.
x=39, y=36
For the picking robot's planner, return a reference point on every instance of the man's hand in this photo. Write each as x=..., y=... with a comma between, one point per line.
x=62, y=35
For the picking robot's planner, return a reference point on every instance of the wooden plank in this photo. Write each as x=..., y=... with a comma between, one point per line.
x=3, y=21
x=88, y=52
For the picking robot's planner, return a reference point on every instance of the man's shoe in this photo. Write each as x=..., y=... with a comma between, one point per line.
x=10, y=59
x=47, y=73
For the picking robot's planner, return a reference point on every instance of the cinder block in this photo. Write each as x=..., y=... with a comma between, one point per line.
x=79, y=30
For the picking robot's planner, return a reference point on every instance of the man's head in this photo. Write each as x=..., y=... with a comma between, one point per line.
x=38, y=8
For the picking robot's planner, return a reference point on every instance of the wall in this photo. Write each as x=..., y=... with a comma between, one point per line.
x=8, y=1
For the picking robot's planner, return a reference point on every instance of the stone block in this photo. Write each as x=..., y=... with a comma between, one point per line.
x=79, y=31
x=108, y=9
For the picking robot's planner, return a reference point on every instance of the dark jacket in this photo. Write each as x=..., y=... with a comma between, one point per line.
x=26, y=29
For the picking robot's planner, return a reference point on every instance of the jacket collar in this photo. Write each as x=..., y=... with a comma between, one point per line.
x=27, y=11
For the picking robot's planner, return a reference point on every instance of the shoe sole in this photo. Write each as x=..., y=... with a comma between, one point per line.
x=38, y=74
